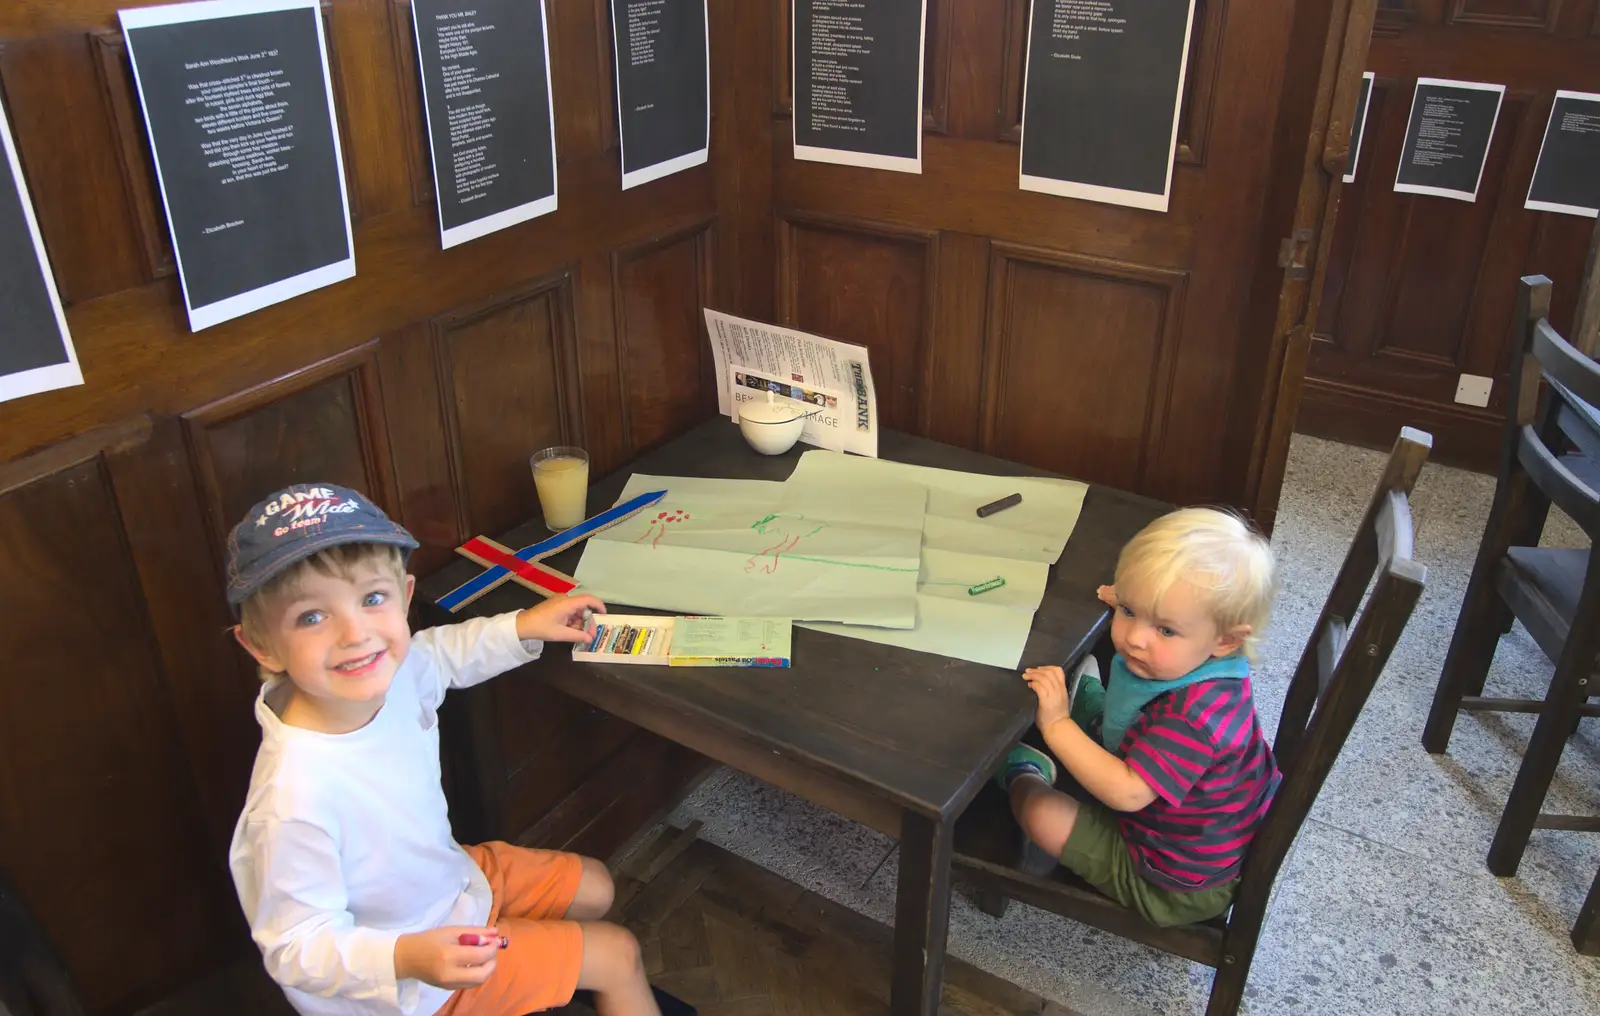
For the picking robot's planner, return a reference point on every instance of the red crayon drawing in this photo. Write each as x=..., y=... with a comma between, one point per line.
x=659, y=524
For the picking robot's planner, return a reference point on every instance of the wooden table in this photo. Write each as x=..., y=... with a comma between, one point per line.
x=894, y=739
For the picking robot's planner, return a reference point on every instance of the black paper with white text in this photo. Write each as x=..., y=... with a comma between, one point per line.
x=36, y=353
x=1100, y=104
x=858, y=82
x=1567, y=177
x=1358, y=130
x=485, y=68
x=1447, y=138
x=663, y=70
x=238, y=100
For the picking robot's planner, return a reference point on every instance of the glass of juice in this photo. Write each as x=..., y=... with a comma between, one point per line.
x=561, y=475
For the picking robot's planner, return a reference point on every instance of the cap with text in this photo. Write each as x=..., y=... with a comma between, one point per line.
x=297, y=522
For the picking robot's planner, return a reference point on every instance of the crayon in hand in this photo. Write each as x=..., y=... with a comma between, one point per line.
x=471, y=939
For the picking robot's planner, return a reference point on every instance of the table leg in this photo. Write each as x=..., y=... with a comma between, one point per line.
x=921, y=915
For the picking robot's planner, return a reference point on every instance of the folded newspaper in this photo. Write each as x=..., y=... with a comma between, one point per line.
x=830, y=381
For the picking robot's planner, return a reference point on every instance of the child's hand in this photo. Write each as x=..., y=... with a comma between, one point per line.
x=1108, y=595
x=558, y=619
x=1050, y=684
x=438, y=958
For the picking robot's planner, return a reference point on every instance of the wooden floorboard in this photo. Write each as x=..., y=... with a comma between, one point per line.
x=722, y=934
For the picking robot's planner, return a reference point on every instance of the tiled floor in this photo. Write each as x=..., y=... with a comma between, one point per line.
x=1385, y=905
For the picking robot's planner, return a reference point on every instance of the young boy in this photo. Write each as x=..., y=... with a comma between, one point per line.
x=360, y=900
x=1180, y=775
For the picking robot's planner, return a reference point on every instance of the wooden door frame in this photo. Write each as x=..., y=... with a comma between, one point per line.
x=1292, y=263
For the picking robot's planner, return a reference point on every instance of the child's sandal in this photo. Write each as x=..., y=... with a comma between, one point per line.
x=1025, y=759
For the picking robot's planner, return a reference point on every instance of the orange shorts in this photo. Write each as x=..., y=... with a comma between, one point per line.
x=533, y=890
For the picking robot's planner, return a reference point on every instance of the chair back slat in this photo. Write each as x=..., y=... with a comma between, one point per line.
x=1580, y=424
x=1578, y=375
x=1361, y=562
x=1329, y=648
x=1317, y=734
x=1393, y=526
x=1366, y=653
x=1556, y=481
x=1331, y=687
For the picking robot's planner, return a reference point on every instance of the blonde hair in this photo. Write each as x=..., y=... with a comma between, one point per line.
x=343, y=561
x=1222, y=556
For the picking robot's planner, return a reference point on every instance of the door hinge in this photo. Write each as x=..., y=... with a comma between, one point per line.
x=1292, y=253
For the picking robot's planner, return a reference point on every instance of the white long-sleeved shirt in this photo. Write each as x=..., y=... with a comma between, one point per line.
x=344, y=843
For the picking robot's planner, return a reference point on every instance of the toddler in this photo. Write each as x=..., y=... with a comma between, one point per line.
x=357, y=895
x=1172, y=768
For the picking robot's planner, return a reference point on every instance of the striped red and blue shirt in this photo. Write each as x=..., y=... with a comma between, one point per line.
x=1201, y=749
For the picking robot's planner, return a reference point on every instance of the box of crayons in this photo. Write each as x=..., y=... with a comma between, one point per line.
x=687, y=641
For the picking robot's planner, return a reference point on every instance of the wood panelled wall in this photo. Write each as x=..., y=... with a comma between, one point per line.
x=127, y=735
x=1120, y=346
x=1421, y=289
x=1099, y=341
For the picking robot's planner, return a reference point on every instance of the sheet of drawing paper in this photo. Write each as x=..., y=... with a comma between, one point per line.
x=238, y=98
x=990, y=628
x=961, y=551
x=751, y=547
x=1035, y=530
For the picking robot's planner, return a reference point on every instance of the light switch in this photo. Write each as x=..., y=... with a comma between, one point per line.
x=1473, y=390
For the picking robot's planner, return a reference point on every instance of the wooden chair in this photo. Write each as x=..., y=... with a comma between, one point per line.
x=1337, y=671
x=33, y=981
x=1549, y=455
x=1586, y=931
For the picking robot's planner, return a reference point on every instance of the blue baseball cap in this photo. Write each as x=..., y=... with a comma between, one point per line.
x=295, y=523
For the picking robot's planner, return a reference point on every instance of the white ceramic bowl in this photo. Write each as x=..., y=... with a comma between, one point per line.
x=771, y=428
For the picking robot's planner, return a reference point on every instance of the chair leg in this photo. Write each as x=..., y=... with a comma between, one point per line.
x=1466, y=665
x=1542, y=756
x=993, y=903
x=1503, y=620
x=1586, y=933
x=1227, y=986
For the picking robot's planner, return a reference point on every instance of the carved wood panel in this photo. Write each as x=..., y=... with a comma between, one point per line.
x=1393, y=17
x=412, y=418
x=1420, y=289
x=1082, y=346
x=408, y=82
x=72, y=165
x=1540, y=15
x=135, y=158
x=938, y=52
x=507, y=372
x=96, y=796
x=866, y=283
x=606, y=75
x=663, y=358
x=782, y=60
x=323, y=423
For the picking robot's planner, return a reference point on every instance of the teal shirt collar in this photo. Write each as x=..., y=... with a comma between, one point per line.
x=1127, y=695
